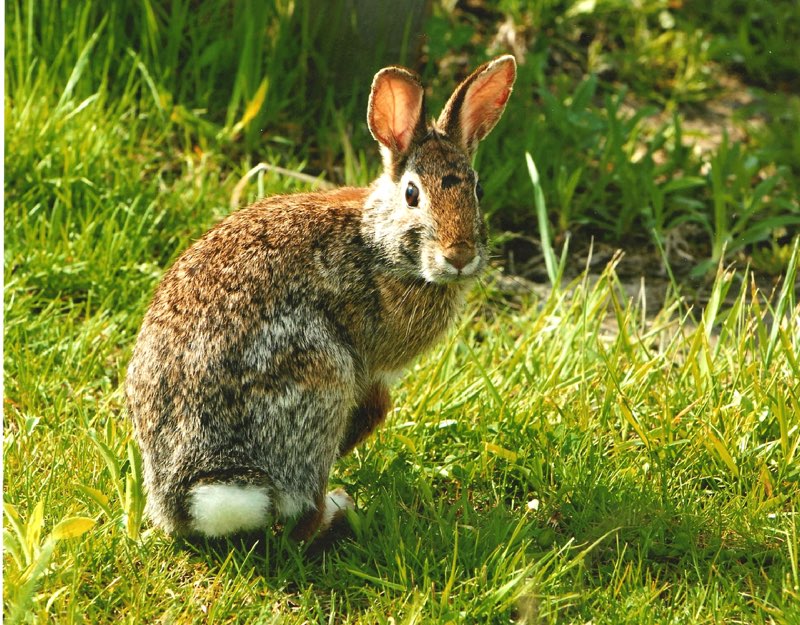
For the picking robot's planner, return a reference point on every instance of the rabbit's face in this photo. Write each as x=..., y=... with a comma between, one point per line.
x=427, y=221
x=424, y=212
x=440, y=195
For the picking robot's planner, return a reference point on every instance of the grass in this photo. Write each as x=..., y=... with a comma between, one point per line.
x=565, y=457
x=560, y=458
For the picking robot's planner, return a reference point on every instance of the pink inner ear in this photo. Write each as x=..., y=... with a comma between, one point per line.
x=397, y=105
x=503, y=98
x=485, y=102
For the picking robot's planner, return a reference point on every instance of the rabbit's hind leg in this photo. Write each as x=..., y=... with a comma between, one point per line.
x=327, y=510
x=367, y=416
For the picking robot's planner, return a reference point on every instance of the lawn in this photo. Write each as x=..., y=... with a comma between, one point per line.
x=572, y=452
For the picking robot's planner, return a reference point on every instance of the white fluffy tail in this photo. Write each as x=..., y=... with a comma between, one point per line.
x=222, y=509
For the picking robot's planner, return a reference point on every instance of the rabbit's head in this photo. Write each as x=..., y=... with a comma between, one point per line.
x=424, y=212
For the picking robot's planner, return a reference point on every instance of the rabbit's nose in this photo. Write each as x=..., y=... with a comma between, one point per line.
x=459, y=255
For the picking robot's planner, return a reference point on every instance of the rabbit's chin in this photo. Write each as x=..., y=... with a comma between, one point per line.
x=448, y=279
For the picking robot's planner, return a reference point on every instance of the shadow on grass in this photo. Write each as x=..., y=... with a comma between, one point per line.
x=595, y=530
x=697, y=539
x=392, y=549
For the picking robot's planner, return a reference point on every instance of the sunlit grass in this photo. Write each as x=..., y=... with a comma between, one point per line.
x=566, y=457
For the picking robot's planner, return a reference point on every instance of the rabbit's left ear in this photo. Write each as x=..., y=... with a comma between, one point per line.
x=478, y=103
x=396, y=109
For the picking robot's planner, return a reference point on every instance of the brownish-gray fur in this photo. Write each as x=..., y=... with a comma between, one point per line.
x=266, y=350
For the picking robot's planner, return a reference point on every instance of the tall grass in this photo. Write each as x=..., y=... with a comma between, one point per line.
x=608, y=138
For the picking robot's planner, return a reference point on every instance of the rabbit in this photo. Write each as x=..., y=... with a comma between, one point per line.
x=269, y=345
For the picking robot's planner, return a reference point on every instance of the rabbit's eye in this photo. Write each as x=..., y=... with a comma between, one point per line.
x=412, y=195
x=479, y=191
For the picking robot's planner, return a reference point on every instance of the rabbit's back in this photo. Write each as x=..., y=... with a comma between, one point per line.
x=262, y=338
x=240, y=364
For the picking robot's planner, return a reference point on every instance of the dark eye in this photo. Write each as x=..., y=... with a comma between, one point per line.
x=479, y=191
x=412, y=195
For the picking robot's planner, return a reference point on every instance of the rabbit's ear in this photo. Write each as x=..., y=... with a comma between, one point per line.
x=396, y=108
x=478, y=103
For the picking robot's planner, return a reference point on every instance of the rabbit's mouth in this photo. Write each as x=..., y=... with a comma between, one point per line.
x=446, y=266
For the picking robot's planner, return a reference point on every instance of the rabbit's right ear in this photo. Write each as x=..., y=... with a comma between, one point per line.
x=396, y=112
x=478, y=103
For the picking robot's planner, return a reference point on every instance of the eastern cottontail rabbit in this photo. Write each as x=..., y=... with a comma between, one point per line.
x=267, y=349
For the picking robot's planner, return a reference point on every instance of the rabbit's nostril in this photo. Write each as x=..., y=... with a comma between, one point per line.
x=459, y=255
